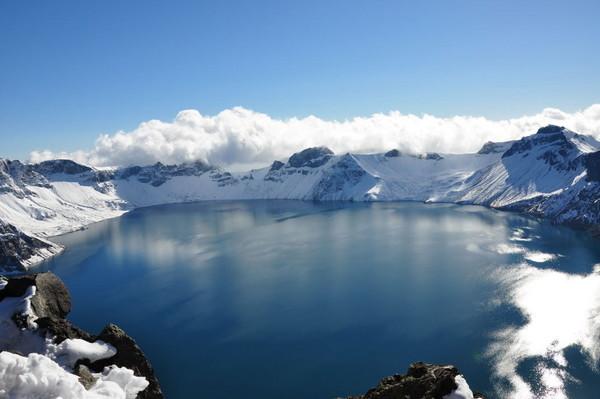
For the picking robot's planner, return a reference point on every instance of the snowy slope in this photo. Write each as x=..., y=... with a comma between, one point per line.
x=553, y=173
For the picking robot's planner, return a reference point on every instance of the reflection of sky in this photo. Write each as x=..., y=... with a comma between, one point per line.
x=334, y=287
x=561, y=310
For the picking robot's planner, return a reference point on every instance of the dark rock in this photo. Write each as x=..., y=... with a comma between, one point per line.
x=432, y=156
x=16, y=247
x=129, y=171
x=592, y=164
x=310, y=158
x=344, y=173
x=102, y=176
x=158, y=174
x=65, y=166
x=51, y=303
x=222, y=178
x=51, y=298
x=273, y=174
x=16, y=287
x=276, y=165
x=392, y=153
x=550, y=129
x=63, y=329
x=16, y=176
x=491, y=148
x=128, y=355
x=421, y=381
x=554, y=139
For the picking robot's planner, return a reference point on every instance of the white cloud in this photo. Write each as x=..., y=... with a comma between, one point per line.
x=244, y=138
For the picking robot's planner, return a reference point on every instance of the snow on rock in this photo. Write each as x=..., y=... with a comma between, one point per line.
x=114, y=380
x=19, y=250
x=14, y=337
x=36, y=376
x=45, y=356
x=69, y=351
x=422, y=381
x=462, y=391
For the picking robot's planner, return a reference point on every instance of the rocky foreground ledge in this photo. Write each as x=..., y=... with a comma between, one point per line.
x=44, y=355
x=423, y=381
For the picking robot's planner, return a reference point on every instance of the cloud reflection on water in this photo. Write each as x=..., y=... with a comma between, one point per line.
x=561, y=310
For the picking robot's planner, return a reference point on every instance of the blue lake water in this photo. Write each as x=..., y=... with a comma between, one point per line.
x=287, y=299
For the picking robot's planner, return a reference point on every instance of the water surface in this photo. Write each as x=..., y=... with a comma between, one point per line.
x=287, y=299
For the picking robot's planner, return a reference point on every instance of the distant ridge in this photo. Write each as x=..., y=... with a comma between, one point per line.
x=553, y=173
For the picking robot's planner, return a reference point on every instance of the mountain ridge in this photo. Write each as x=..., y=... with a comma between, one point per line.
x=553, y=173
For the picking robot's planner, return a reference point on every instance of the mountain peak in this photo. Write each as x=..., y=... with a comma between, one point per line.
x=392, y=153
x=65, y=166
x=550, y=129
x=492, y=147
x=310, y=157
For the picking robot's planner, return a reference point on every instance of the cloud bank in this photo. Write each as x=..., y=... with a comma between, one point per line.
x=241, y=138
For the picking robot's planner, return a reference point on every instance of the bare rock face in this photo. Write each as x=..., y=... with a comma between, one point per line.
x=18, y=248
x=421, y=381
x=52, y=303
x=52, y=298
x=311, y=157
x=592, y=164
x=128, y=355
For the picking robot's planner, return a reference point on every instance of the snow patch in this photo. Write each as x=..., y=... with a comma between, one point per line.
x=32, y=367
x=462, y=392
x=70, y=350
x=37, y=376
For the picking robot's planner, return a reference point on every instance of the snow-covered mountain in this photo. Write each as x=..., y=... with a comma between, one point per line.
x=553, y=173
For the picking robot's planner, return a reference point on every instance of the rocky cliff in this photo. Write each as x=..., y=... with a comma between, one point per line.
x=19, y=250
x=44, y=354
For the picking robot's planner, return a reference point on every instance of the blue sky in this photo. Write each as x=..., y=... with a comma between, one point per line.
x=71, y=70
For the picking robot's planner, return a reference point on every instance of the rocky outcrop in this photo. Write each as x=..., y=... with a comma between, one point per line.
x=129, y=355
x=310, y=157
x=491, y=147
x=421, y=381
x=158, y=174
x=60, y=166
x=592, y=164
x=431, y=156
x=18, y=249
x=550, y=129
x=51, y=303
x=340, y=179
